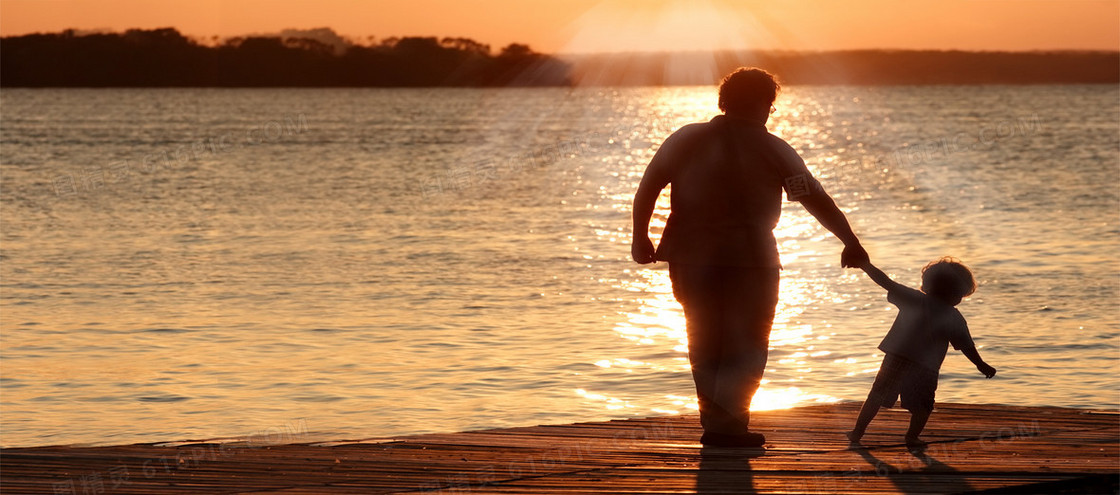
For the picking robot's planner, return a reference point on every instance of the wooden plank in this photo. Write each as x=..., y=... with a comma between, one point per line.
x=974, y=448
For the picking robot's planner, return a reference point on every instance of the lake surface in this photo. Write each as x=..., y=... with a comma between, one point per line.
x=355, y=263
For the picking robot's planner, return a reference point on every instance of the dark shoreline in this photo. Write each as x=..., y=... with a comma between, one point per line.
x=856, y=67
x=165, y=58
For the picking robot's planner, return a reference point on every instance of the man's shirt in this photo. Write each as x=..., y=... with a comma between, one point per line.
x=727, y=177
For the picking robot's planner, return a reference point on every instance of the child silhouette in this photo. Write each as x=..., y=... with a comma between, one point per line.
x=915, y=346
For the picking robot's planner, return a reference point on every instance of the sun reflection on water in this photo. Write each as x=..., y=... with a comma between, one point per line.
x=658, y=326
x=659, y=319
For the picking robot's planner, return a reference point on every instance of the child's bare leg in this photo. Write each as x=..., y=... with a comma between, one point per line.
x=866, y=414
x=918, y=419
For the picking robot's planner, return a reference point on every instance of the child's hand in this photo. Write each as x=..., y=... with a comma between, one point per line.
x=986, y=369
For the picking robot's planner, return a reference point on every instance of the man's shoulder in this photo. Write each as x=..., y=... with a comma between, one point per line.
x=777, y=141
x=688, y=134
x=781, y=147
x=694, y=129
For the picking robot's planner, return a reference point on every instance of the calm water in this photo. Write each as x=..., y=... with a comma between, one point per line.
x=361, y=263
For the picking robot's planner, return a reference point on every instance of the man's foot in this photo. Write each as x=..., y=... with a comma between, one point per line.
x=853, y=438
x=728, y=440
x=915, y=443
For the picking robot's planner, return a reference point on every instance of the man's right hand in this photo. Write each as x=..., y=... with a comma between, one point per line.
x=642, y=250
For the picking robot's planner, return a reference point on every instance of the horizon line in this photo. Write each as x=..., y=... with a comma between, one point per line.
x=205, y=40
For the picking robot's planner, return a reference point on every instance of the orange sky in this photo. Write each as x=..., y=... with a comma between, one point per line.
x=577, y=26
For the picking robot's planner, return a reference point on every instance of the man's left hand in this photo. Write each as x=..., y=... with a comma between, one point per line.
x=854, y=256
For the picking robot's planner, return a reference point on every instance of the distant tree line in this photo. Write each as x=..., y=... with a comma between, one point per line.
x=321, y=58
x=164, y=57
x=857, y=67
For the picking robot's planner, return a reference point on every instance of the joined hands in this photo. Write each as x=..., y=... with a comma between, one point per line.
x=854, y=256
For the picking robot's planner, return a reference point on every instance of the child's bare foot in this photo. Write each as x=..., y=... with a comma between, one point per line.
x=915, y=443
x=854, y=436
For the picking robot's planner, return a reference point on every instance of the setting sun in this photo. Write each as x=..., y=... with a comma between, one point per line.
x=665, y=26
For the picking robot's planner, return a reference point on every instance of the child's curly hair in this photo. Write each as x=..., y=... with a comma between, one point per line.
x=948, y=277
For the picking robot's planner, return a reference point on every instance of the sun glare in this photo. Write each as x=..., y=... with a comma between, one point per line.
x=666, y=26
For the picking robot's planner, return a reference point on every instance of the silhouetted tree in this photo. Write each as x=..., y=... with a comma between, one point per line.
x=466, y=45
x=516, y=50
x=164, y=57
x=865, y=67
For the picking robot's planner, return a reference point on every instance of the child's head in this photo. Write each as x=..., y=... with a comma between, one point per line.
x=948, y=279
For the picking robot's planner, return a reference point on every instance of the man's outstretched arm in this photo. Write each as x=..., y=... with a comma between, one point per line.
x=824, y=209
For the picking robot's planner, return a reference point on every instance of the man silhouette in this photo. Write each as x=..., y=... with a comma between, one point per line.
x=727, y=177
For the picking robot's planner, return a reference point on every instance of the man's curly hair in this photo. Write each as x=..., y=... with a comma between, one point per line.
x=746, y=89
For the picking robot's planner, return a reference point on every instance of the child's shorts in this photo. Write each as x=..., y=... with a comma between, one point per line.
x=899, y=376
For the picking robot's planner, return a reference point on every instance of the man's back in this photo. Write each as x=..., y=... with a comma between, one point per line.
x=727, y=178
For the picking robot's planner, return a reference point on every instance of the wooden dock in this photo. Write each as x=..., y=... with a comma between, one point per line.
x=974, y=448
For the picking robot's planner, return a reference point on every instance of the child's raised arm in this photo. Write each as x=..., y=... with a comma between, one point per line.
x=880, y=278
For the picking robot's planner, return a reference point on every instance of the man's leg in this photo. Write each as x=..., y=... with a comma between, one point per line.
x=748, y=309
x=729, y=311
x=698, y=289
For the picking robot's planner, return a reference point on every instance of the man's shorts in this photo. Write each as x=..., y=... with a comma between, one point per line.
x=899, y=376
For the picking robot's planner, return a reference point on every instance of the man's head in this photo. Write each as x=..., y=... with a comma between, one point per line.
x=748, y=92
x=948, y=279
